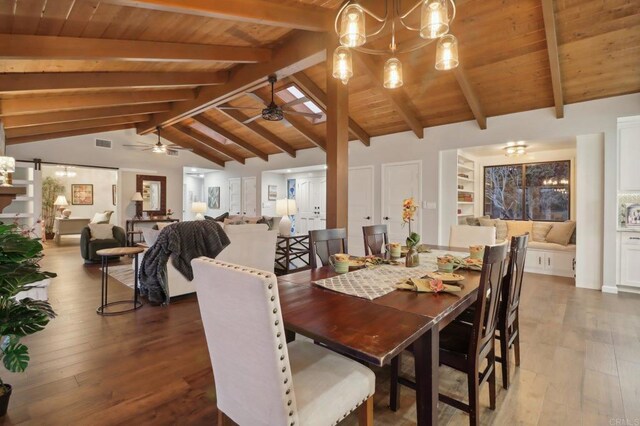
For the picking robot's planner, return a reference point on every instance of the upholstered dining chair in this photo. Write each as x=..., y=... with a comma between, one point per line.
x=465, y=347
x=465, y=236
x=325, y=243
x=375, y=239
x=508, y=321
x=259, y=379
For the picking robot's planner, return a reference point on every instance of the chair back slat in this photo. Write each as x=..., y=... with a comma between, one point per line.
x=375, y=239
x=325, y=243
x=512, y=286
x=489, y=291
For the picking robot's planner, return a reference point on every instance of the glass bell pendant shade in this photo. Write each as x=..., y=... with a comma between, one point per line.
x=342, y=64
x=352, y=27
x=392, y=73
x=447, y=53
x=434, y=19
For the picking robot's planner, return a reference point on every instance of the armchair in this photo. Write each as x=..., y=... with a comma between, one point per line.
x=88, y=247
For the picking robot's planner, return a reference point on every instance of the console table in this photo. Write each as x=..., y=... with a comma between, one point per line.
x=131, y=224
x=292, y=250
x=70, y=226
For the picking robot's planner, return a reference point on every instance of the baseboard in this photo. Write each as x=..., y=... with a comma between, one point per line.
x=624, y=289
x=610, y=289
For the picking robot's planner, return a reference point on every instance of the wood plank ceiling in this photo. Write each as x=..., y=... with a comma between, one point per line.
x=72, y=67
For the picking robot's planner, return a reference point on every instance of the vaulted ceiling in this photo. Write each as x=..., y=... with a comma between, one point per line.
x=72, y=67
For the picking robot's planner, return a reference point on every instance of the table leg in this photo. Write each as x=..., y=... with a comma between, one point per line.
x=135, y=282
x=102, y=285
x=427, y=355
x=106, y=278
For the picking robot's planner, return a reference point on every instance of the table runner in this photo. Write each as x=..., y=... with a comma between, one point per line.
x=374, y=282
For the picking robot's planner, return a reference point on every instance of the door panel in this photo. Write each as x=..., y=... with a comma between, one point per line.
x=400, y=181
x=249, y=196
x=235, y=196
x=360, y=206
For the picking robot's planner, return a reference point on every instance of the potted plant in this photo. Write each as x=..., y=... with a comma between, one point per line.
x=51, y=188
x=19, y=270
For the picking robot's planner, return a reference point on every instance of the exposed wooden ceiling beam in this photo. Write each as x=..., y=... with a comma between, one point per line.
x=74, y=125
x=66, y=134
x=554, y=60
x=81, y=114
x=320, y=98
x=19, y=46
x=402, y=105
x=300, y=52
x=296, y=123
x=199, y=137
x=196, y=148
x=252, y=11
x=17, y=106
x=93, y=80
x=260, y=131
x=205, y=121
x=470, y=96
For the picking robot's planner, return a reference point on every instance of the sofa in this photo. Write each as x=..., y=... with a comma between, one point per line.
x=552, y=246
x=252, y=245
x=89, y=245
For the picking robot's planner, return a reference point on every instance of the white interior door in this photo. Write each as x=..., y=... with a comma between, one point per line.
x=360, y=206
x=249, y=196
x=318, y=196
x=235, y=196
x=304, y=218
x=401, y=181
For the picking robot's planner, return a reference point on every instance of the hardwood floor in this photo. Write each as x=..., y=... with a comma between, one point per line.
x=580, y=361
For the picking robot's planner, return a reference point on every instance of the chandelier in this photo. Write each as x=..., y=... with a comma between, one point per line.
x=66, y=172
x=435, y=18
x=515, y=149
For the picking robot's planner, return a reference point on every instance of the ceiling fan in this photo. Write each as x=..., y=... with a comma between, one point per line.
x=273, y=112
x=159, y=147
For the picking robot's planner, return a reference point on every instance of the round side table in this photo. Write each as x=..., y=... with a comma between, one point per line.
x=105, y=254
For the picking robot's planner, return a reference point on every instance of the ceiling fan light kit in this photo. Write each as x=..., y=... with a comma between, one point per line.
x=436, y=17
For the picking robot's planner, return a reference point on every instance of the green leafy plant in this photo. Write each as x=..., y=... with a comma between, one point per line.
x=51, y=188
x=413, y=240
x=19, y=267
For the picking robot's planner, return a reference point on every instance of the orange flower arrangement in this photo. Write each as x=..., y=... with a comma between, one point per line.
x=409, y=209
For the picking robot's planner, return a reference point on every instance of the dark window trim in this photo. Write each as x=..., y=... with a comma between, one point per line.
x=524, y=187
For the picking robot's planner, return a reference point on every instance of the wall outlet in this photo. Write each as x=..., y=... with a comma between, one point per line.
x=431, y=205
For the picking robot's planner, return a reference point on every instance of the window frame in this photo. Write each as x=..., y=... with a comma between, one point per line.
x=523, y=167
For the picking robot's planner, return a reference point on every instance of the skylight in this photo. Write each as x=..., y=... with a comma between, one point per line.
x=298, y=101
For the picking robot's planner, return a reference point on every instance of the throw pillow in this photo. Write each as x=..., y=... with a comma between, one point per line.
x=540, y=231
x=220, y=218
x=501, y=230
x=486, y=222
x=251, y=219
x=560, y=233
x=475, y=221
x=268, y=220
x=230, y=221
x=100, y=218
x=108, y=213
x=101, y=231
x=518, y=227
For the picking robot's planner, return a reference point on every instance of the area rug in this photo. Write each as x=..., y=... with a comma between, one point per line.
x=123, y=273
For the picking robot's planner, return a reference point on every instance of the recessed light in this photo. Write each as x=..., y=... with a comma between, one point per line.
x=288, y=170
x=201, y=175
x=193, y=169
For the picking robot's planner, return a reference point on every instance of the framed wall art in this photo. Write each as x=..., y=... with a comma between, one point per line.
x=82, y=194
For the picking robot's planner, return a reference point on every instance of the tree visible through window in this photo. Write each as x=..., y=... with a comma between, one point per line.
x=537, y=191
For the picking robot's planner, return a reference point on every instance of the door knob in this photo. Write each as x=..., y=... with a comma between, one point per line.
x=368, y=217
x=386, y=218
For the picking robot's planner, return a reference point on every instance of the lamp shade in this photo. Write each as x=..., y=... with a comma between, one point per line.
x=61, y=201
x=199, y=207
x=137, y=197
x=7, y=164
x=286, y=207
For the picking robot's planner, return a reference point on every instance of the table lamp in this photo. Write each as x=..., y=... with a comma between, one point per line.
x=284, y=208
x=62, y=202
x=137, y=198
x=199, y=207
x=7, y=165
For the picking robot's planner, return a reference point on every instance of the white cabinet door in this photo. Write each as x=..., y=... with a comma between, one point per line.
x=400, y=181
x=629, y=144
x=235, y=196
x=560, y=263
x=630, y=259
x=535, y=261
x=360, y=206
x=249, y=196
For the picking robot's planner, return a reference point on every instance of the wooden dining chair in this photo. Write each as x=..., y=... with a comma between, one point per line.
x=508, y=322
x=375, y=239
x=464, y=347
x=325, y=243
x=259, y=378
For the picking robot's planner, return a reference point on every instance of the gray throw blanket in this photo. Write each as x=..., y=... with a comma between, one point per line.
x=182, y=242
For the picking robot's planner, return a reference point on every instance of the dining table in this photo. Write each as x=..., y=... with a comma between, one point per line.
x=376, y=331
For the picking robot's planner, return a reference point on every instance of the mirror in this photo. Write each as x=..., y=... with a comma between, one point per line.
x=153, y=190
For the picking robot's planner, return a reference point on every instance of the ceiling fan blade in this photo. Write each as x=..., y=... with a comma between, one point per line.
x=177, y=148
x=142, y=145
x=306, y=114
x=239, y=108
x=251, y=119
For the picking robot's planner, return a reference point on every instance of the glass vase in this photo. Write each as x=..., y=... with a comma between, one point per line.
x=412, y=259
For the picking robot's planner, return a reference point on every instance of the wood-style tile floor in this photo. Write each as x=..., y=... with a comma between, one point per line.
x=580, y=361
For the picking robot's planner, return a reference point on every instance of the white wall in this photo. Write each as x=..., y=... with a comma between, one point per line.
x=102, y=181
x=268, y=207
x=195, y=185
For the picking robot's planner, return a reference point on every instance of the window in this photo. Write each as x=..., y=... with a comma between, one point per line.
x=536, y=191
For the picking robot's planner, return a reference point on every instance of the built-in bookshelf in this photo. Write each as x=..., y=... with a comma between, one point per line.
x=466, y=187
x=25, y=210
